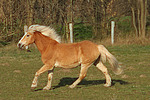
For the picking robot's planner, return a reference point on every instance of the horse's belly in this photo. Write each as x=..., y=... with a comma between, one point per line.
x=67, y=65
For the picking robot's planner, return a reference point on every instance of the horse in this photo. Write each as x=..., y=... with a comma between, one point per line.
x=67, y=55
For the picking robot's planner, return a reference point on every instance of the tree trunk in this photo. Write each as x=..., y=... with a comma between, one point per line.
x=134, y=21
x=139, y=20
x=69, y=19
x=1, y=10
x=143, y=17
x=30, y=4
x=11, y=14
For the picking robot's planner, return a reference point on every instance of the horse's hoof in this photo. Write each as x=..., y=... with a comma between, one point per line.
x=32, y=88
x=46, y=88
x=107, y=85
x=71, y=86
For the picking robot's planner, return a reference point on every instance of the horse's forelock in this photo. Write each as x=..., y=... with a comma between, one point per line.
x=32, y=28
x=25, y=28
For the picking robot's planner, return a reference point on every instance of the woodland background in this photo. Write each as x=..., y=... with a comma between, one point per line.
x=91, y=18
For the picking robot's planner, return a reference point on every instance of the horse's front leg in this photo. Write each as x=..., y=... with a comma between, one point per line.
x=50, y=76
x=42, y=70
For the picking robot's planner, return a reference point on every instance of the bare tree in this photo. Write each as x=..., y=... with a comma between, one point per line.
x=139, y=10
x=97, y=14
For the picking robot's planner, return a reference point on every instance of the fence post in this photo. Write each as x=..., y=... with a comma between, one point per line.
x=71, y=32
x=112, y=31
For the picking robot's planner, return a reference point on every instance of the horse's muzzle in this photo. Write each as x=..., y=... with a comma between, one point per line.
x=20, y=45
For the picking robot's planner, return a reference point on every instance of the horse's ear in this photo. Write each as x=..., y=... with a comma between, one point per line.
x=25, y=28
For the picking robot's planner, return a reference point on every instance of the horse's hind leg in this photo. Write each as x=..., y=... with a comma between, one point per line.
x=83, y=72
x=101, y=67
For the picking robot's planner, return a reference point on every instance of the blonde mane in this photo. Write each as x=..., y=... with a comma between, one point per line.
x=45, y=30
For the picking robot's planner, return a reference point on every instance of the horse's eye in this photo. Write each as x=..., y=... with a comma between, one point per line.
x=28, y=35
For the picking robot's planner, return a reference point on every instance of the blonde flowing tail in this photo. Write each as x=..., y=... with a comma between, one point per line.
x=105, y=54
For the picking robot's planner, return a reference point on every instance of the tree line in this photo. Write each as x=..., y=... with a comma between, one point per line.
x=90, y=18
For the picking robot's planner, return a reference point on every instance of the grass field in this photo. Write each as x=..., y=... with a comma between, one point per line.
x=17, y=69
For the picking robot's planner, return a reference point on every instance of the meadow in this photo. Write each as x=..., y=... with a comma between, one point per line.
x=17, y=69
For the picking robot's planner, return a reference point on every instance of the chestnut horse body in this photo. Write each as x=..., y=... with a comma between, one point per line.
x=55, y=54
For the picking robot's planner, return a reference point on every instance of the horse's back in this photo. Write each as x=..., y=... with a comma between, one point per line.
x=88, y=45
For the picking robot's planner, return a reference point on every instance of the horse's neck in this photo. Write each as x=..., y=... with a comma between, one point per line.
x=43, y=43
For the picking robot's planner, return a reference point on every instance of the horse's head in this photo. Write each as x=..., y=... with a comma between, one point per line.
x=27, y=39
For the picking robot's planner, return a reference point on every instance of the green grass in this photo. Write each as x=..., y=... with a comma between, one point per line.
x=17, y=69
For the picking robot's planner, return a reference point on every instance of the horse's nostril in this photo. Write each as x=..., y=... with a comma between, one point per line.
x=20, y=45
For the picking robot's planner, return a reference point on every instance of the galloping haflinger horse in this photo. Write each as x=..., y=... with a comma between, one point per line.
x=67, y=55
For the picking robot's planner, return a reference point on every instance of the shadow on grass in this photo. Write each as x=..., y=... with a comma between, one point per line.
x=68, y=81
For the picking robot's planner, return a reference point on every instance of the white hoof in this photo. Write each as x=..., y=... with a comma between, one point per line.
x=72, y=86
x=33, y=86
x=46, y=88
x=107, y=85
